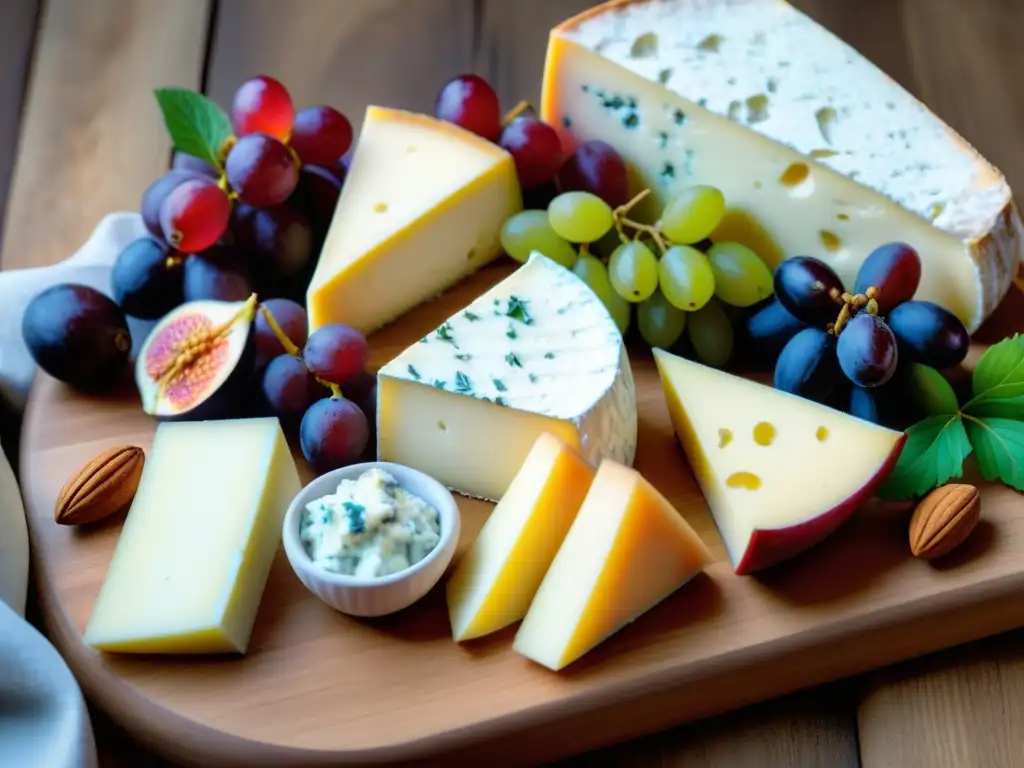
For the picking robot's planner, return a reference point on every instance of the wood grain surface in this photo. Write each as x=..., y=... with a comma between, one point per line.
x=92, y=137
x=958, y=708
x=856, y=602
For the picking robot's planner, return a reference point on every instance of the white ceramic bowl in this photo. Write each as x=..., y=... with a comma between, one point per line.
x=358, y=596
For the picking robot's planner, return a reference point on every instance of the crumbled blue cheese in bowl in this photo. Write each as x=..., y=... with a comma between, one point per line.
x=370, y=527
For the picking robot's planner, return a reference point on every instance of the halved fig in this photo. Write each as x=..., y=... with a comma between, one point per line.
x=198, y=362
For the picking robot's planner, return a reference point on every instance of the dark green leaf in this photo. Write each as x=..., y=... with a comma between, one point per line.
x=933, y=454
x=999, y=449
x=196, y=124
x=932, y=391
x=1000, y=372
x=999, y=407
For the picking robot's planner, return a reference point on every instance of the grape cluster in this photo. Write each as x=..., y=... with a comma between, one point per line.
x=316, y=384
x=673, y=274
x=855, y=351
x=253, y=223
x=470, y=102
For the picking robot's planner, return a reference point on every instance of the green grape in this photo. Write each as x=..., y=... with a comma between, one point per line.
x=660, y=323
x=686, y=278
x=529, y=231
x=580, y=217
x=741, y=278
x=633, y=270
x=592, y=271
x=711, y=334
x=693, y=214
x=621, y=312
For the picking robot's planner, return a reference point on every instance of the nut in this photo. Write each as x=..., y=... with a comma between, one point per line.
x=100, y=487
x=943, y=520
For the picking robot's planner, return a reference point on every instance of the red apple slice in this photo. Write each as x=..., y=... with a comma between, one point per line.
x=779, y=472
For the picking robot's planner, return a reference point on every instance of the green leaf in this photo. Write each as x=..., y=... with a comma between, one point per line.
x=999, y=449
x=1000, y=372
x=934, y=453
x=998, y=407
x=197, y=126
x=932, y=391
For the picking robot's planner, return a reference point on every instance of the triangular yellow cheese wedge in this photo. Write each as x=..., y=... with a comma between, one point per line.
x=779, y=472
x=497, y=578
x=421, y=209
x=627, y=550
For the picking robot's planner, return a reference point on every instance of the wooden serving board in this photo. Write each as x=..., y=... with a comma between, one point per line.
x=318, y=688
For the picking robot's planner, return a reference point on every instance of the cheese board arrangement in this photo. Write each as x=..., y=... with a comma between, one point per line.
x=482, y=436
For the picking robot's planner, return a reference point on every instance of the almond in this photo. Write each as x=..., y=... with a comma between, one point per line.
x=943, y=520
x=100, y=487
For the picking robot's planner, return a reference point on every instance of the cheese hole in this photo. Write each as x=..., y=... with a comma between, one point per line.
x=798, y=179
x=934, y=211
x=380, y=207
x=764, y=433
x=471, y=255
x=843, y=216
x=821, y=434
x=710, y=43
x=795, y=174
x=826, y=118
x=757, y=109
x=724, y=437
x=748, y=481
x=735, y=108
x=830, y=240
x=644, y=46
x=821, y=154
x=442, y=426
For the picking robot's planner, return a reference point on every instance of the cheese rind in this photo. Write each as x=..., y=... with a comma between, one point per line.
x=536, y=353
x=498, y=576
x=192, y=562
x=779, y=472
x=627, y=550
x=735, y=93
x=421, y=208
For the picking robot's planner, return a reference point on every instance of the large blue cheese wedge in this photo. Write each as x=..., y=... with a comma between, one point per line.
x=818, y=152
x=537, y=353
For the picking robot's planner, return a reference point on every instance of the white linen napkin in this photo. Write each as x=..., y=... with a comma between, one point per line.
x=44, y=722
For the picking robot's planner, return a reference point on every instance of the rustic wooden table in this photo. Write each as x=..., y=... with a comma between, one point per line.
x=80, y=135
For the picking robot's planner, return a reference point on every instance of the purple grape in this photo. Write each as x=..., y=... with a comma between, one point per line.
x=867, y=350
x=334, y=432
x=290, y=389
x=290, y=318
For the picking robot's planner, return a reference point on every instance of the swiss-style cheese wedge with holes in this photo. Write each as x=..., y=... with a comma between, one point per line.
x=421, y=208
x=779, y=472
x=817, y=151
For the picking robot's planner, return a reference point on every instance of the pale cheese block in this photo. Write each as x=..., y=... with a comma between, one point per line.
x=817, y=151
x=627, y=550
x=421, y=208
x=536, y=353
x=779, y=472
x=189, y=570
x=496, y=579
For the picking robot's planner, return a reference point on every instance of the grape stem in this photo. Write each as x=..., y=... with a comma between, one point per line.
x=291, y=349
x=520, y=108
x=199, y=344
x=619, y=216
x=850, y=305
